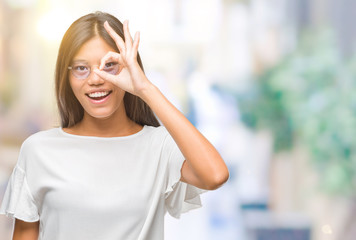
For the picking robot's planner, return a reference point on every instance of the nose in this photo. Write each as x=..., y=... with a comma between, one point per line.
x=94, y=79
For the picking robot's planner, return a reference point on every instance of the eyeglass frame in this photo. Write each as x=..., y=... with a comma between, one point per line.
x=90, y=71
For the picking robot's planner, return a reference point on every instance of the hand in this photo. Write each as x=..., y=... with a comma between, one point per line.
x=130, y=76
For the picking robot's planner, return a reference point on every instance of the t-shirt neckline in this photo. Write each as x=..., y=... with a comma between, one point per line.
x=60, y=129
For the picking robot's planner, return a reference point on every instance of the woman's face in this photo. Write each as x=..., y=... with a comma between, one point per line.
x=99, y=98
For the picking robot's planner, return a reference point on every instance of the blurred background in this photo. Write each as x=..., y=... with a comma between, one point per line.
x=271, y=83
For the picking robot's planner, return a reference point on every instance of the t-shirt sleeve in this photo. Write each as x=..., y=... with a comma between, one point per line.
x=18, y=201
x=180, y=197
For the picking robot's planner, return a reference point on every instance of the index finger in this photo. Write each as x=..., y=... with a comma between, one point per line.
x=118, y=40
x=127, y=35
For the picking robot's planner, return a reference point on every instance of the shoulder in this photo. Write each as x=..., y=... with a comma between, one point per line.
x=160, y=137
x=156, y=132
x=33, y=145
x=40, y=137
x=153, y=137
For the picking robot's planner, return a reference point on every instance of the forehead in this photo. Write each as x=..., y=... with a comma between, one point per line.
x=93, y=50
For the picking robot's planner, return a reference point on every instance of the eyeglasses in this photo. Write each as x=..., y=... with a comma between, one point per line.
x=82, y=71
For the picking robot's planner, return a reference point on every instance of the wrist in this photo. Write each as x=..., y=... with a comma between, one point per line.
x=148, y=92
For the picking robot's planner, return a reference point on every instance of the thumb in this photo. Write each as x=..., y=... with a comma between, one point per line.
x=104, y=75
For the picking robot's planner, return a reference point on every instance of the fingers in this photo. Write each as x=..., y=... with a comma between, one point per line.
x=128, y=48
x=136, y=41
x=128, y=39
x=105, y=75
x=128, y=44
x=110, y=56
x=118, y=40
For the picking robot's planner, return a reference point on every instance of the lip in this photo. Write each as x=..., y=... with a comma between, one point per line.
x=101, y=101
x=98, y=90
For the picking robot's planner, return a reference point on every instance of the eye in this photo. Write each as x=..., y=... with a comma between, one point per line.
x=111, y=67
x=80, y=68
x=110, y=64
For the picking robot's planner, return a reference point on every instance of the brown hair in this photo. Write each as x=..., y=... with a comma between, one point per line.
x=82, y=30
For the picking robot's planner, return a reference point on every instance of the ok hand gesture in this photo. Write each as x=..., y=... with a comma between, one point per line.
x=130, y=77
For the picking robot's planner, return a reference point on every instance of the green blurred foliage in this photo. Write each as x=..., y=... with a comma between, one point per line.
x=310, y=97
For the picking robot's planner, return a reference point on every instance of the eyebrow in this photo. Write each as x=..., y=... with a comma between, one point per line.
x=80, y=61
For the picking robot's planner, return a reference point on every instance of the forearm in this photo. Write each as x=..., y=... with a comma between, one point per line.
x=203, y=159
x=25, y=230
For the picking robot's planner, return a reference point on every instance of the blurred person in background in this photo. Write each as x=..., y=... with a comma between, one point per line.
x=110, y=171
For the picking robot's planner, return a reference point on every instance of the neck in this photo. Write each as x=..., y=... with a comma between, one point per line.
x=113, y=126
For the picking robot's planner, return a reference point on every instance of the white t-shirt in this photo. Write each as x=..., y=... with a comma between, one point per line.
x=82, y=187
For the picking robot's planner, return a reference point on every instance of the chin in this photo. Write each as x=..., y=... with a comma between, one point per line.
x=101, y=114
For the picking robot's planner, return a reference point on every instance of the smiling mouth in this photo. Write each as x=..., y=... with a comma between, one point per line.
x=98, y=95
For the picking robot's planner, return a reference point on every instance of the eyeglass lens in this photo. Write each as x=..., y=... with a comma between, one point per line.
x=82, y=71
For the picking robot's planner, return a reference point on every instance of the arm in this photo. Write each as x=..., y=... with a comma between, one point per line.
x=25, y=230
x=204, y=166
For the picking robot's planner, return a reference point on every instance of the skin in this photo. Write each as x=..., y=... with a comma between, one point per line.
x=98, y=120
x=203, y=166
x=26, y=230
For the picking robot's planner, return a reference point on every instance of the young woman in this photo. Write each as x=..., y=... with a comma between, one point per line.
x=110, y=171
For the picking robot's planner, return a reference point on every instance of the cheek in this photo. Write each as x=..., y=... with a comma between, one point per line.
x=76, y=86
x=120, y=94
x=76, y=89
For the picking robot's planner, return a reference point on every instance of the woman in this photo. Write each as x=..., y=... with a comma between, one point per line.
x=110, y=171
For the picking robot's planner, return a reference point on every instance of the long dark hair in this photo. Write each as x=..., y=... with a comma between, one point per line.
x=82, y=30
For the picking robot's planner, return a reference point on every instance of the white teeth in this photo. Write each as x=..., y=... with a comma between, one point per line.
x=98, y=94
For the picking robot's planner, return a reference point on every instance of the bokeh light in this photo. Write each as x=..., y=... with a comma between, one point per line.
x=270, y=83
x=53, y=25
